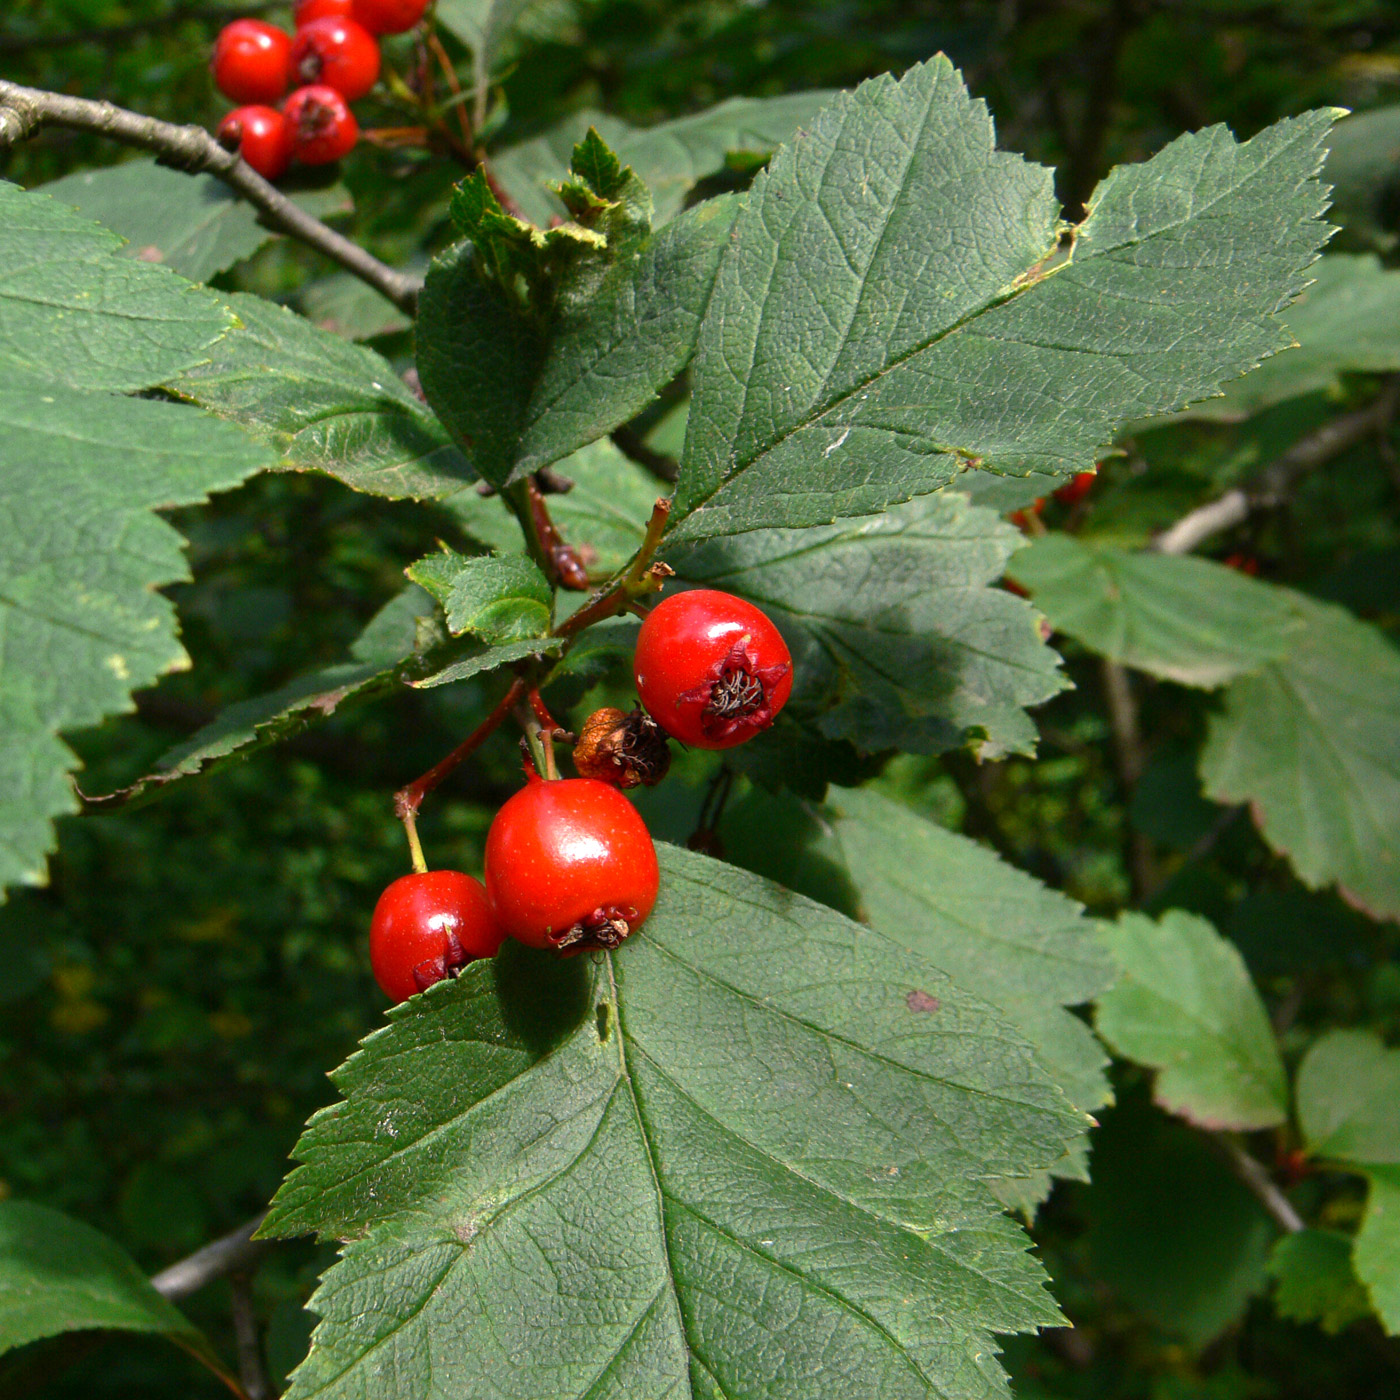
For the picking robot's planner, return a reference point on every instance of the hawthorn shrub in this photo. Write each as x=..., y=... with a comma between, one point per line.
x=1078, y=533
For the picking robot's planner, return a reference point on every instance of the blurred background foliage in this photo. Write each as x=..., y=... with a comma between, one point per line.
x=170, y=1004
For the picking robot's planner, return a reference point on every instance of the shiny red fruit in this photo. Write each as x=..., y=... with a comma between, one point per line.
x=261, y=136
x=389, y=16
x=711, y=669
x=429, y=926
x=322, y=125
x=338, y=53
x=252, y=61
x=570, y=865
x=309, y=10
x=1243, y=563
x=1076, y=488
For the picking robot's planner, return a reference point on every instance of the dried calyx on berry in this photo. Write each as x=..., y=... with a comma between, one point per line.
x=625, y=748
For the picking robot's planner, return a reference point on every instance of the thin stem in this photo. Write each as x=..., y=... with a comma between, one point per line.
x=1273, y=485
x=235, y=1250
x=642, y=578
x=23, y=111
x=1130, y=755
x=408, y=800
x=415, y=846
x=252, y=1373
x=1253, y=1173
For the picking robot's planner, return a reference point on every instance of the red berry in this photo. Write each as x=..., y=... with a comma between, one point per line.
x=1076, y=488
x=323, y=127
x=252, y=61
x=338, y=53
x=1021, y=519
x=570, y=865
x=711, y=669
x=1244, y=563
x=308, y=10
x=261, y=136
x=429, y=926
x=389, y=16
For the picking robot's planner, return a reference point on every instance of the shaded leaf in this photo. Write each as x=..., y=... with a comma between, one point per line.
x=1349, y=1099
x=533, y=344
x=499, y=598
x=492, y=29
x=193, y=224
x=687, y=1163
x=898, y=639
x=478, y=658
x=1171, y=1228
x=58, y=1274
x=350, y=308
x=1314, y=1280
x=1363, y=168
x=671, y=158
x=1181, y=618
x=1312, y=743
x=941, y=332
x=1185, y=1005
x=325, y=405
x=73, y=314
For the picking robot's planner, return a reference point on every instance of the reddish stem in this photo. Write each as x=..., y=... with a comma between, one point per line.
x=408, y=800
x=568, y=567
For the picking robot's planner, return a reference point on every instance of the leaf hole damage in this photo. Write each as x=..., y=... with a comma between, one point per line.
x=604, y=1020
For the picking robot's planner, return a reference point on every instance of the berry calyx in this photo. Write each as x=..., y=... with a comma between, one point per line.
x=1075, y=489
x=336, y=52
x=711, y=669
x=309, y=10
x=252, y=61
x=322, y=126
x=261, y=136
x=389, y=16
x=428, y=926
x=570, y=865
x=626, y=749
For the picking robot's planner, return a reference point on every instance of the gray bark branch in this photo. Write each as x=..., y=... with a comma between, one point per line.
x=23, y=111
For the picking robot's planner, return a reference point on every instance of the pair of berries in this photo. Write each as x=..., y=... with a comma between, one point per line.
x=570, y=865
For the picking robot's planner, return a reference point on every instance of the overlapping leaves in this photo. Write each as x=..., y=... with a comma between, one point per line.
x=747, y=1154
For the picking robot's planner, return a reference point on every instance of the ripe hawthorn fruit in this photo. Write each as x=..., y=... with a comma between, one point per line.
x=428, y=926
x=338, y=53
x=252, y=61
x=322, y=125
x=261, y=136
x=1075, y=489
x=711, y=669
x=570, y=865
x=389, y=16
x=309, y=10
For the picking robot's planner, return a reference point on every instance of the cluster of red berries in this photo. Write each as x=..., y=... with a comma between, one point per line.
x=331, y=61
x=570, y=864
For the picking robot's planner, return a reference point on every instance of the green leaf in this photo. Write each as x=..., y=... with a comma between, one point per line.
x=1348, y=1092
x=1312, y=743
x=893, y=308
x=1314, y=1280
x=324, y=405
x=1171, y=1228
x=499, y=598
x=1185, y=1005
x=349, y=308
x=59, y=1275
x=1181, y=618
x=193, y=224
x=740, y=1156
x=493, y=29
x=73, y=314
x=897, y=638
x=81, y=556
x=480, y=658
x=1347, y=322
x=671, y=158
x=531, y=344
x=997, y=932
x=1377, y=1249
